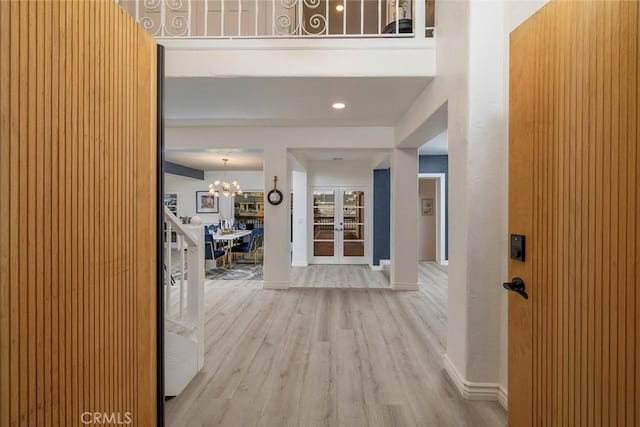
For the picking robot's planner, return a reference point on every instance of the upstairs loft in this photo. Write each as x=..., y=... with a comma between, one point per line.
x=231, y=19
x=298, y=38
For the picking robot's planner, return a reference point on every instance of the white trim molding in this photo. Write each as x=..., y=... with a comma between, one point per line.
x=404, y=286
x=275, y=285
x=502, y=397
x=381, y=264
x=472, y=390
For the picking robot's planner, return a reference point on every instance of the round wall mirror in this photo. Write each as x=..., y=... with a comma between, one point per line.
x=274, y=197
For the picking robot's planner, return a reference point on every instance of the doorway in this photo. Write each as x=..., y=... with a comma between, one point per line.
x=340, y=225
x=431, y=217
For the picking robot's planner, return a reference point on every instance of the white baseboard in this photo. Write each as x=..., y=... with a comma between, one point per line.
x=301, y=264
x=275, y=285
x=382, y=264
x=502, y=397
x=404, y=286
x=471, y=390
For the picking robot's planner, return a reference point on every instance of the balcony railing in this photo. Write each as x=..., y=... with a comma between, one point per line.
x=278, y=18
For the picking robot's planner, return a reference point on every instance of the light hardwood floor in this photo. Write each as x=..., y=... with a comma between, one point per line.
x=326, y=357
x=338, y=276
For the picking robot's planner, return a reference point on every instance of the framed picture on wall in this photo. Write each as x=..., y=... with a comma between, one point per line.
x=427, y=207
x=206, y=202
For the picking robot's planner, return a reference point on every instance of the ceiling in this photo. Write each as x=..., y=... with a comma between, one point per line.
x=288, y=101
x=437, y=145
x=339, y=155
x=211, y=160
x=251, y=160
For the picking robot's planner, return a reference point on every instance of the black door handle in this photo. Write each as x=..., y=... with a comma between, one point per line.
x=516, y=285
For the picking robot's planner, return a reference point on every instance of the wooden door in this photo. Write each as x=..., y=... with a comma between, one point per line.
x=574, y=345
x=77, y=215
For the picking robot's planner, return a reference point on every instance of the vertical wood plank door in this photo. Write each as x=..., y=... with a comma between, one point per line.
x=77, y=215
x=574, y=344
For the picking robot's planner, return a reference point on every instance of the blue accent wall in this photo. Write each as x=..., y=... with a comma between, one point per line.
x=381, y=215
x=439, y=164
x=382, y=204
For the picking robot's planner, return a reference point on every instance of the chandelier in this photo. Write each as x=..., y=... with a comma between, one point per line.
x=224, y=187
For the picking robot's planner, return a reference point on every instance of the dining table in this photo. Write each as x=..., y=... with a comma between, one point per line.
x=227, y=240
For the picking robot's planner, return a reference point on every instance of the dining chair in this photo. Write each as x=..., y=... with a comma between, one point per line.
x=210, y=251
x=249, y=246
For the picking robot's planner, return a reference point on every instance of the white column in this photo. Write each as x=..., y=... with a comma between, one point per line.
x=419, y=19
x=299, y=184
x=277, y=252
x=404, y=219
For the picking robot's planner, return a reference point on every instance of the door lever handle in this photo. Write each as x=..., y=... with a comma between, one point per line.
x=516, y=285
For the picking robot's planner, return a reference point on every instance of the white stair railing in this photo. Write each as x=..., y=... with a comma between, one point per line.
x=184, y=347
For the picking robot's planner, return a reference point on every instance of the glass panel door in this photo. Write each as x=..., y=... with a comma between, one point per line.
x=353, y=224
x=340, y=225
x=324, y=227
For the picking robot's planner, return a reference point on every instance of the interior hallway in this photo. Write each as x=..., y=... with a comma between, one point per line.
x=335, y=357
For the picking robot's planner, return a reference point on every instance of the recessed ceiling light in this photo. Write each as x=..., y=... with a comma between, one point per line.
x=338, y=105
x=339, y=8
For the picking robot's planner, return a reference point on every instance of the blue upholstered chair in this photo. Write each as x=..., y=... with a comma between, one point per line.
x=250, y=246
x=210, y=251
x=260, y=243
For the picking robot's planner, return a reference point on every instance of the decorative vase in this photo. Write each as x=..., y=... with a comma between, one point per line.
x=196, y=220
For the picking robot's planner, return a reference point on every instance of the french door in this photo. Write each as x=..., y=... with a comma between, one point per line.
x=340, y=224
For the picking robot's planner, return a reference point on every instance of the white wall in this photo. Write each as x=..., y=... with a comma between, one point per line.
x=184, y=138
x=427, y=224
x=277, y=245
x=404, y=216
x=300, y=58
x=299, y=256
x=186, y=189
x=340, y=173
x=473, y=84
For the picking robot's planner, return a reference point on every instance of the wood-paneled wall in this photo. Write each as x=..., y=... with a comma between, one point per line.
x=78, y=208
x=574, y=182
